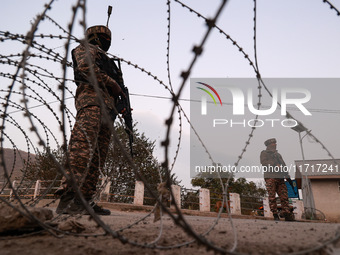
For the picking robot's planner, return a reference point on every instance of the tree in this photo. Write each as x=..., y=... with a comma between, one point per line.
x=251, y=194
x=120, y=172
x=213, y=182
x=117, y=167
x=45, y=165
x=190, y=199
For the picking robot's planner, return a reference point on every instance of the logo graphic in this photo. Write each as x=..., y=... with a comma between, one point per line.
x=204, y=99
x=239, y=100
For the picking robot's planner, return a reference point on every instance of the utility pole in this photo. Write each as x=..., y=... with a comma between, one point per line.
x=307, y=193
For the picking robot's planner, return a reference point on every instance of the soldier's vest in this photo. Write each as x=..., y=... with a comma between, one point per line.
x=274, y=162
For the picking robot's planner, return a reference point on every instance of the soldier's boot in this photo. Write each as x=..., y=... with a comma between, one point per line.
x=77, y=207
x=289, y=217
x=59, y=192
x=276, y=217
x=99, y=210
x=65, y=200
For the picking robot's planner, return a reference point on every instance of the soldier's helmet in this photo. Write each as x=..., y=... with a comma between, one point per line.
x=99, y=35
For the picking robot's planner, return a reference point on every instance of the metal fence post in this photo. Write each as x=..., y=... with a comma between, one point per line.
x=176, y=190
x=105, y=194
x=299, y=210
x=204, y=200
x=235, y=203
x=36, y=189
x=139, y=193
x=266, y=208
x=14, y=184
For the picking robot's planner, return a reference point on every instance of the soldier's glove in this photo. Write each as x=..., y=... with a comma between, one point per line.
x=114, y=88
x=122, y=95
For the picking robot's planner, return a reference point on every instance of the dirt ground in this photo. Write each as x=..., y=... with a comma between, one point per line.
x=254, y=236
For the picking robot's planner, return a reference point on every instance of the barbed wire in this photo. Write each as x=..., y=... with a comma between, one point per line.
x=332, y=7
x=32, y=79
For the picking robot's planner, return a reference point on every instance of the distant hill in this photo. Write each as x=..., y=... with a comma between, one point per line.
x=14, y=161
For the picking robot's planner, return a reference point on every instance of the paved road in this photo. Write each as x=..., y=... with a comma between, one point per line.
x=253, y=236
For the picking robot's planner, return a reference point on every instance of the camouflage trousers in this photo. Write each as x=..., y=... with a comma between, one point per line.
x=277, y=186
x=88, y=148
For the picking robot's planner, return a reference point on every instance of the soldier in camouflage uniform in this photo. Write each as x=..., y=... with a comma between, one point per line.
x=96, y=93
x=274, y=179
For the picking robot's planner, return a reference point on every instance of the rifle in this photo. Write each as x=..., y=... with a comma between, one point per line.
x=123, y=103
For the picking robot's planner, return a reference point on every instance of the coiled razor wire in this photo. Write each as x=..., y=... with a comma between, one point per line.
x=34, y=79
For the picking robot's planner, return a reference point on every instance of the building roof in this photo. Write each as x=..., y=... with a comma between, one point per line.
x=318, y=168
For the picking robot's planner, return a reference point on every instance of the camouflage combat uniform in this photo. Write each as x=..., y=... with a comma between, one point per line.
x=91, y=134
x=275, y=180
